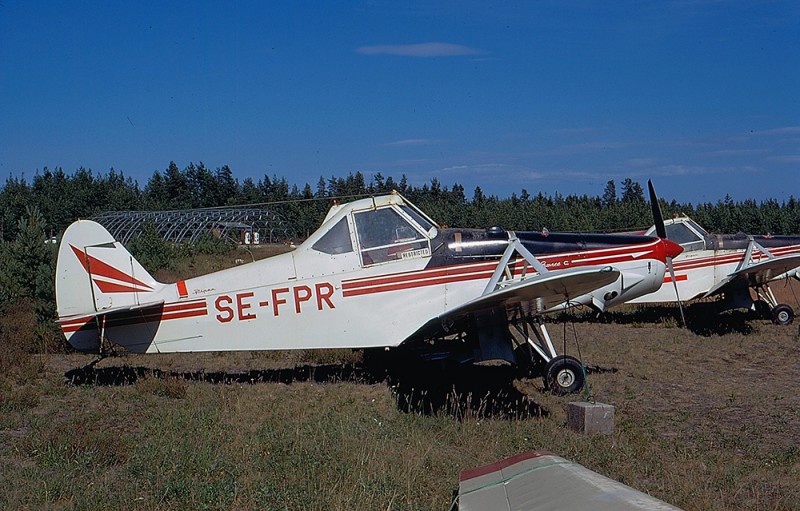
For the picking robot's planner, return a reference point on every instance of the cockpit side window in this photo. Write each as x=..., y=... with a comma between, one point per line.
x=384, y=235
x=685, y=237
x=336, y=240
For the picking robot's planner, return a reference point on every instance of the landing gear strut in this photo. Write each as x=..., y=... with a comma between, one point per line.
x=563, y=374
x=780, y=313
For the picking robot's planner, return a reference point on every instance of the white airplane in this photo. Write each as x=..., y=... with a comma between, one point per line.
x=378, y=273
x=727, y=265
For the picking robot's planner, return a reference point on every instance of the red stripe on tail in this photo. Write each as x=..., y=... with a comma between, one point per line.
x=102, y=269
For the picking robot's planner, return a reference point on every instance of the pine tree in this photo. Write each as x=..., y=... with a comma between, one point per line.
x=610, y=194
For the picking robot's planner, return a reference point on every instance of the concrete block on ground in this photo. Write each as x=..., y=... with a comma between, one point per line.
x=590, y=418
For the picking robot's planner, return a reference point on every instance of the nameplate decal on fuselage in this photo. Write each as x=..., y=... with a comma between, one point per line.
x=414, y=254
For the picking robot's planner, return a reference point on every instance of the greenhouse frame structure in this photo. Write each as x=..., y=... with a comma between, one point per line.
x=242, y=225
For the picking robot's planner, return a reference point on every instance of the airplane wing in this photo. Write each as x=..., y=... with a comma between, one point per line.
x=756, y=274
x=542, y=481
x=538, y=294
x=541, y=292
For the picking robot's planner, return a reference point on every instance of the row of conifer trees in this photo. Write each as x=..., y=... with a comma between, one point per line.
x=62, y=197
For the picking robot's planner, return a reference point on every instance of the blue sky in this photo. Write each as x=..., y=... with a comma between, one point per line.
x=702, y=96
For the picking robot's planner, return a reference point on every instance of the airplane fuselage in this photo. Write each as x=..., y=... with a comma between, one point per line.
x=312, y=299
x=712, y=259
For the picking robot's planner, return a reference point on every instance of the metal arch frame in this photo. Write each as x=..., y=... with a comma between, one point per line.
x=180, y=226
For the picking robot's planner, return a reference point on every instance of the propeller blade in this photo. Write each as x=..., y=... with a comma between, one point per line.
x=675, y=285
x=661, y=231
x=658, y=219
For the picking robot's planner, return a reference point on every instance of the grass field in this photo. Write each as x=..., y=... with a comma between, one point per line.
x=707, y=418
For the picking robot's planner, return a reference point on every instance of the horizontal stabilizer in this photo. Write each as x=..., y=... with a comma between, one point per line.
x=110, y=310
x=96, y=277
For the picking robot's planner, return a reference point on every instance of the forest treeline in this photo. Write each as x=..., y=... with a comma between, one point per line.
x=31, y=211
x=62, y=197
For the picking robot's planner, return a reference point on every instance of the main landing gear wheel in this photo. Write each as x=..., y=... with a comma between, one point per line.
x=782, y=314
x=564, y=375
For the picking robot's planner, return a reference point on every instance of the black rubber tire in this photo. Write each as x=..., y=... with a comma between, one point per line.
x=782, y=314
x=762, y=309
x=564, y=375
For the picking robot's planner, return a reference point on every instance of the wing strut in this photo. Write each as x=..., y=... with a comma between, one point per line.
x=748, y=254
x=503, y=275
x=758, y=267
x=763, y=291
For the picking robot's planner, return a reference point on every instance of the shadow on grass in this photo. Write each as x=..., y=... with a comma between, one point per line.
x=702, y=318
x=128, y=375
x=425, y=388
x=462, y=392
x=600, y=370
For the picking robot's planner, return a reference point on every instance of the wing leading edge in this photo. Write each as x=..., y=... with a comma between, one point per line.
x=537, y=294
x=756, y=274
x=540, y=293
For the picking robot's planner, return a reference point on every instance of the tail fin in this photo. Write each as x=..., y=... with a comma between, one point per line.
x=96, y=275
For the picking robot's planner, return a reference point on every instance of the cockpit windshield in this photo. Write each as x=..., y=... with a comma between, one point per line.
x=385, y=235
x=697, y=228
x=421, y=220
x=686, y=237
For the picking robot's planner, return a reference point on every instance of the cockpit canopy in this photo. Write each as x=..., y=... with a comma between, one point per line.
x=685, y=232
x=381, y=230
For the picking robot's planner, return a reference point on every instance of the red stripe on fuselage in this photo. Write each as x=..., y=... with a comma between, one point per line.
x=484, y=269
x=732, y=258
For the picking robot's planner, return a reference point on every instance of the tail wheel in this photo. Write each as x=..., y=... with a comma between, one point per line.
x=564, y=375
x=782, y=314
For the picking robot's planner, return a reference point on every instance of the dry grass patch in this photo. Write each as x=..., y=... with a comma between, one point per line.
x=703, y=422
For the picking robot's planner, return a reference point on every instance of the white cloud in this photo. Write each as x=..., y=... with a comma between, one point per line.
x=410, y=142
x=575, y=131
x=435, y=49
x=786, y=130
x=737, y=152
x=638, y=162
x=481, y=169
x=694, y=170
x=791, y=158
x=587, y=147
